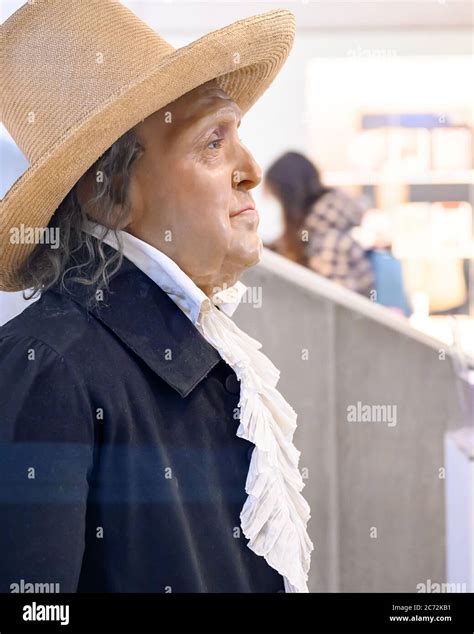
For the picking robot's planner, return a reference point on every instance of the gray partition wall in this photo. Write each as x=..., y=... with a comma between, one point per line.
x=374, y=398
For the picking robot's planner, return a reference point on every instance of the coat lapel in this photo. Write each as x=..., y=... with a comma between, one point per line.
x=144, y=317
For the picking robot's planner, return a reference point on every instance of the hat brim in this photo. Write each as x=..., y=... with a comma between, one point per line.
x=261, y=44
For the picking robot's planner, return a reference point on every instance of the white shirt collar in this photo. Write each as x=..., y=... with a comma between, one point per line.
x=168, y=275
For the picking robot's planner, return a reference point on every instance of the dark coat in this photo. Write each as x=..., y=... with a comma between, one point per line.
x=120, y=468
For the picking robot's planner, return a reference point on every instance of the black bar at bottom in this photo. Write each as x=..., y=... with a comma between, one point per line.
x=239, y=613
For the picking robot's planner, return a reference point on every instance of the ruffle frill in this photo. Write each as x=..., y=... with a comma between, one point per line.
x=275, y=514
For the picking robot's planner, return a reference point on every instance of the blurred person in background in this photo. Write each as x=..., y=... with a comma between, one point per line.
x=318, y=224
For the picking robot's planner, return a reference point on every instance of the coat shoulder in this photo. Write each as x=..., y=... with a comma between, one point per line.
x=54, y=320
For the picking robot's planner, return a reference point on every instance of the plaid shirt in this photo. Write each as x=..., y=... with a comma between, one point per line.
x=330, y=249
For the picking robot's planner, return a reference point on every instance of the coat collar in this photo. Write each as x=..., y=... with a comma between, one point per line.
x=142, y=315
x=167, y=273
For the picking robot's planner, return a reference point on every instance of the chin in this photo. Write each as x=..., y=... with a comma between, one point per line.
x=255, y=255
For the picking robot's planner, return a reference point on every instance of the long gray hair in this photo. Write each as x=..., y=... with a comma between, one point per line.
x=45, y=266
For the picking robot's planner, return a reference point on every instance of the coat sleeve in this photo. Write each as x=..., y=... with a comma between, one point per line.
x=46, y=457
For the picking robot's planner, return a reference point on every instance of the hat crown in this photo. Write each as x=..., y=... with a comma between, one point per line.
x=62, y=60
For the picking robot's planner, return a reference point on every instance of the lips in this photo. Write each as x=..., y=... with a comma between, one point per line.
x=248, y=208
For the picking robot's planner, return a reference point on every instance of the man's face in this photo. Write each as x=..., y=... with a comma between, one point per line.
x=194, y=174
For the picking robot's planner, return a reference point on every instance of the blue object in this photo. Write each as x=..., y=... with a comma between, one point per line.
x=404, y=120
x=12, y=165
x=388, y=280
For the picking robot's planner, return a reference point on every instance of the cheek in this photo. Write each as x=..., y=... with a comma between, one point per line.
x=194, y=200
x=203, y=231
x=205, y=199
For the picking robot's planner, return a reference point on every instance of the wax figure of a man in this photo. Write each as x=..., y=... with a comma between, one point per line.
x=144, y=446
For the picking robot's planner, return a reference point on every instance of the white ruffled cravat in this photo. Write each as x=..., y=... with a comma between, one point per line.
x=275, y=514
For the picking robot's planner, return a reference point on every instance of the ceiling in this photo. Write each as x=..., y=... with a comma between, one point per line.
x=203, y=16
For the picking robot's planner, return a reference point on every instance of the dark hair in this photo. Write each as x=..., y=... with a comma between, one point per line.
x=296, y=182
x=45, y=267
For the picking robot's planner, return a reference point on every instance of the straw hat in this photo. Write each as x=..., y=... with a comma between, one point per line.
x=76, y=75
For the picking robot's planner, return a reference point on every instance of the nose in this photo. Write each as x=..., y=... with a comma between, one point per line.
x=247, y=173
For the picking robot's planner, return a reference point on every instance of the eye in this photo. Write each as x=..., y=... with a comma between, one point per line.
x=215, y=141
